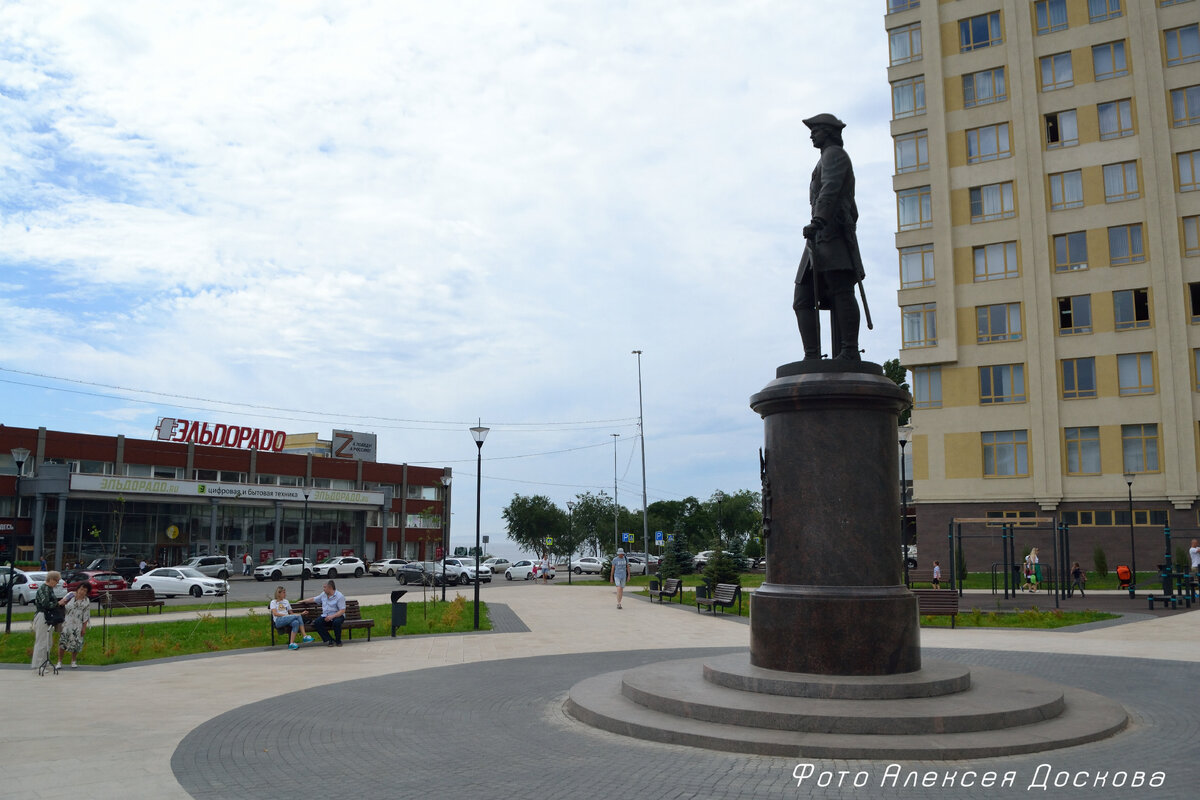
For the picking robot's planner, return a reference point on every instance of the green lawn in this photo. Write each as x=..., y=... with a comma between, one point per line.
x=211, y=632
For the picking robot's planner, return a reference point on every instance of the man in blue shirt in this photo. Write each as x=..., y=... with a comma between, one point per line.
x=333, y=614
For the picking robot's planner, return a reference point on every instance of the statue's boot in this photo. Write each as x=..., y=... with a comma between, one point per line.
x=846, y=312
x=810, y=332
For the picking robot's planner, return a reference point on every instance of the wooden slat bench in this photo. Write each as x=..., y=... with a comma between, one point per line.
x=670, y=588
x=937, y=603
x=309, y=611
x=129, y=598
x=922, y=576
x=723, y=596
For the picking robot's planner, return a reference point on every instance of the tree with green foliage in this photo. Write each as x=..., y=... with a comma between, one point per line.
x=593, y=521
x=734, y=517
x=530, y=520
x=721, y=568
x=1100, y=561
x=899, y=376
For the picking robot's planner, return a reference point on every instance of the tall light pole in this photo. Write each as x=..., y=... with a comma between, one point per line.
x=1132, y=550
x=20, y=455
x=304, y=532
x=570, y=535
x=446, y=527
x=905, y=432
x=616, y=513
x=478, y=433
x=642, y=436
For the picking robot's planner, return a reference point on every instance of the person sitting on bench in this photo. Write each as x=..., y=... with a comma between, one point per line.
x=282, y=617
x=333, y=614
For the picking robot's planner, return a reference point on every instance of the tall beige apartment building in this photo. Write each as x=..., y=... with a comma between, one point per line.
x=1048, y=227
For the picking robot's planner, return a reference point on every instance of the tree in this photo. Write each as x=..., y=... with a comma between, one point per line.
x=530, y=520
x=899, y=376
x=721, y=568
x=593, y=521
x=734, y=517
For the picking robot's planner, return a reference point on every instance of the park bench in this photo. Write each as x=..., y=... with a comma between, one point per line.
x=937, y=603
x=670, y=588
x=723, y=596
x=309, y=611
x=129, y=598
x=921, y=576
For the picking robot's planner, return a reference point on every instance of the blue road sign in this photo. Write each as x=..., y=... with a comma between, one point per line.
x=658, y=536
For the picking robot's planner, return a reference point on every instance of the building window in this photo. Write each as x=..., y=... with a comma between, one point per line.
x=995, y=261
x=1135, y=373
x=914, y=208
x=988, y=143
x=1074, y=314
x=1183, y=45
x=1070, y=251
x=1066, y=190
x=916, y=266
x=1108, y=60
x=1185, y=106
x=1125, y=244
x=998, y=323
x=904, y=44
x=1165, y=3
x=1120, y=182
x=1083, y=451
x=1189, y=171
x=983, y=87
x=1131, y=309
x=1051, y=16
x=1002, y=383
x=912, y=151
x=994, y=201
x=1194, y=296
x=1062, y=129
x=908, y=97
x=1005, y=454
x=919, y=325
x=927, y=387
x=1116, y=119
x=1100, y=10
x=902, y=5
x=1196, y=369
x=1191, y=236
x=1078, y=378
x=1139, y=447
x=1057, y=72
x=978, y=32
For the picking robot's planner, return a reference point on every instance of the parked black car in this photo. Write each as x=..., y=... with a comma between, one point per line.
x=413, y=572
x=127, y=568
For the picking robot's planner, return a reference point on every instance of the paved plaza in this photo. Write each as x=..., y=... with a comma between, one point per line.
x=462, y=714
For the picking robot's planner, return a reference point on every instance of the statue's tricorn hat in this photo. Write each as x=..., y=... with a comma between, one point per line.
x=825, y=119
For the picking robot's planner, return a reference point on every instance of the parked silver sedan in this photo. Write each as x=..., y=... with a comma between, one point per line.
x=174, y=581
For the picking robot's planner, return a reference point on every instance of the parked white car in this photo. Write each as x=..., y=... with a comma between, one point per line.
x=636, y=565
x=587, y=564
x=498, y=564
x=525, y=569
x=387, y=566
x=340, y=566
x=461, y=570
x=281, y=568
x=26, y=584
x=174, y=581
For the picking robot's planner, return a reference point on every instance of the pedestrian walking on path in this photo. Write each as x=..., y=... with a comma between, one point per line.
x=620, y=572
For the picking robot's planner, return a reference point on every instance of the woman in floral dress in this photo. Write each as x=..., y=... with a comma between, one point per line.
x=74, y=626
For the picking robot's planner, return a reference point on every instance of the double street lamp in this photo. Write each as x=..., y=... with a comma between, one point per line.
x=478, y=433
x=20, y=455
x=446, y=528
x=1132, y=550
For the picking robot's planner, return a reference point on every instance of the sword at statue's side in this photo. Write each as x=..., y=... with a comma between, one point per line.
x=866, y=308
x=808, y=256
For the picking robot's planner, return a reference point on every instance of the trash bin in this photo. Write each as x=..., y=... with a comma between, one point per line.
x=399, y=610
x=654, y=584
x=702, y=591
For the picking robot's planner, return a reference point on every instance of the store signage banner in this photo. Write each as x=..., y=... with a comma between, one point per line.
x=353, y=445
x=229, y=491
x=218, y=434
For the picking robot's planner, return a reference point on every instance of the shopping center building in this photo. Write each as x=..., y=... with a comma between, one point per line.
x=79, y=496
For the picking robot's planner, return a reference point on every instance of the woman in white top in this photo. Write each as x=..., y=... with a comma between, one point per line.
x=282, y=616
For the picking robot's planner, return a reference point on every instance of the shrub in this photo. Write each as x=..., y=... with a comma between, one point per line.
x=1100, y=561
x=721, y=569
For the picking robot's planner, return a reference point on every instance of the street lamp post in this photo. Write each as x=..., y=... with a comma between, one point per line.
x=642, y=437
x=446, y=529
x=478, y=433
x=616, y=513
x=905, y=432
x=1132, y=549
x=570, y=535
x=303, y=533
x=20, y=456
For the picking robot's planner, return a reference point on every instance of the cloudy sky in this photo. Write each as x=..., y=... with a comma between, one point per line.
x=403, y=216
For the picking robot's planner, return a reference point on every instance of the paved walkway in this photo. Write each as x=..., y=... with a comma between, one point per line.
x=454, y=714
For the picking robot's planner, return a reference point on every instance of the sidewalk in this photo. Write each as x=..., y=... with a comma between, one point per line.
x=134, y=717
